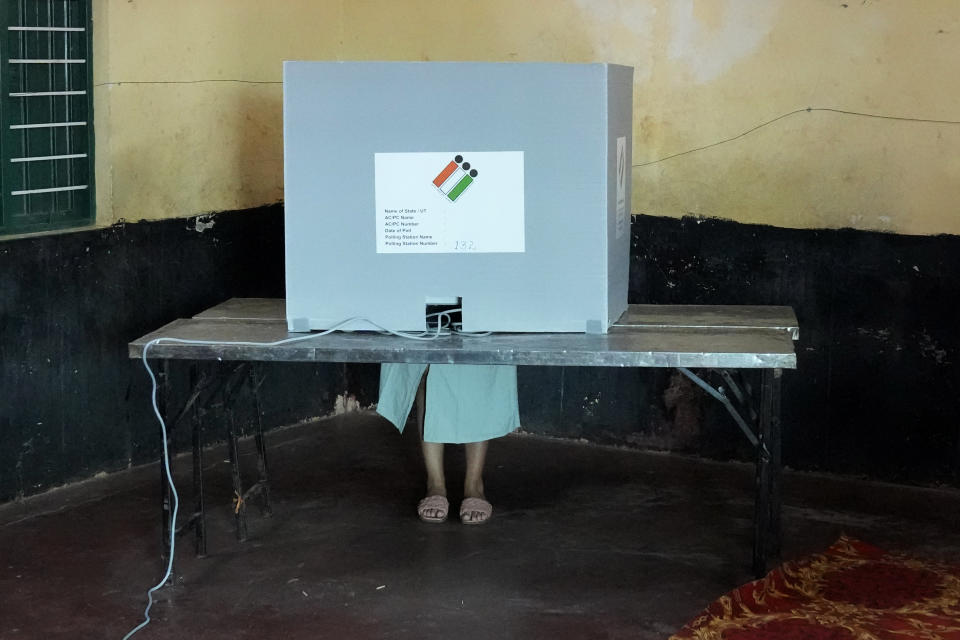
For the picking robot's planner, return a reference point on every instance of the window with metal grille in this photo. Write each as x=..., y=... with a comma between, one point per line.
x=46, y=113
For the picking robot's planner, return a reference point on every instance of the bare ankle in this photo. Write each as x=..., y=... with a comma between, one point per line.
x=474, y=490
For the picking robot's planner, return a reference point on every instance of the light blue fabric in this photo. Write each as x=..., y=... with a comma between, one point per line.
x=465, y=402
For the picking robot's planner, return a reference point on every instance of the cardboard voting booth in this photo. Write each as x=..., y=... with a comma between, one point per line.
x=502, y=186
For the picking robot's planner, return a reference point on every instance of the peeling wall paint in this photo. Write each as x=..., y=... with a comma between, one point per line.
x=345, y=403
x=202, y=223
x=621, y=31
x=710, y=37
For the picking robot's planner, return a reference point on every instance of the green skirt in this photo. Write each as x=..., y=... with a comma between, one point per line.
x=465, y=402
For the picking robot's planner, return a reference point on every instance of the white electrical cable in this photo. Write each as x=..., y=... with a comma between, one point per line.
x=163, y=427
x=173, y=491
x=456, y=327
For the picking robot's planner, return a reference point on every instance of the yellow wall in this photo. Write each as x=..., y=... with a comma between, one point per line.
x=174, y=139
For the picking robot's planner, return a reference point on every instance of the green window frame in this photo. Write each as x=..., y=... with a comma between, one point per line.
x=46, y=115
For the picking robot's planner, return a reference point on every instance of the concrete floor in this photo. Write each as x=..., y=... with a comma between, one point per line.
x=585, y=542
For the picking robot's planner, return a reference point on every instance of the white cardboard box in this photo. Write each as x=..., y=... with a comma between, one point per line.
x=506, y=185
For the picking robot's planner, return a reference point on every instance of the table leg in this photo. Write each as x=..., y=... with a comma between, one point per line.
x=233, y=444
x=166, y=495
x=766, y=540
x=264, y=481
x=776, y=466
x=198, y=519
x=163, y=399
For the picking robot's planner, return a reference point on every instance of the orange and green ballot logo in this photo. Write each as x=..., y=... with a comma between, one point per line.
x=455, y=178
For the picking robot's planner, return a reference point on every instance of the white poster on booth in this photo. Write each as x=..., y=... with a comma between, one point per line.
x=450, y=202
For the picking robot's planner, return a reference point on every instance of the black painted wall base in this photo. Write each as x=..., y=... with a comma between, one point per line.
x=875, y=393
x=73, y=404
x=876, y=388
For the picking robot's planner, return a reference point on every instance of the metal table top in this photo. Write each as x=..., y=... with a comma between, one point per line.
x=728, y=337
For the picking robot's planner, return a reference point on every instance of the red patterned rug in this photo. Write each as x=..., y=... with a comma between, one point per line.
x=853, y=591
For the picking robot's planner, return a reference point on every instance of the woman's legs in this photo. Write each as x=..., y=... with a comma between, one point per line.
x=476, y=454
x=473, y=480
x=432, y=451
x=433, y=460
x=432, y=508
x=475, y=509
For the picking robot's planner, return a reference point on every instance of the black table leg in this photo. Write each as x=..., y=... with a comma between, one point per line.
x=198, y=519
x=766, y=539
x=776, y=466
x=233, y=444
x=264, y=481
x=165, y=496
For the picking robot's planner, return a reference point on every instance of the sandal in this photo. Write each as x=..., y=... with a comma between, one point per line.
x=475, y=511
x=433, y=509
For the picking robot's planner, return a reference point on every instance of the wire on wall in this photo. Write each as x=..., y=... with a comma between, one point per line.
x=117, y=83
x=793, y=113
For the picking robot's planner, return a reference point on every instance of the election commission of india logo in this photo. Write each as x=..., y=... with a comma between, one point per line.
x=455, y=178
